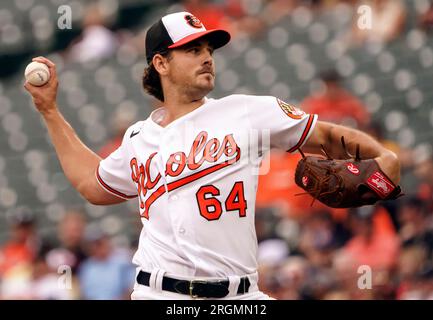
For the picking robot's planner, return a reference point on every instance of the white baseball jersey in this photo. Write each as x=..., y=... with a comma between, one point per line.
x=196, y=180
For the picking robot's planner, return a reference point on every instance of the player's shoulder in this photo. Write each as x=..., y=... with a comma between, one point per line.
x=247, y=98
x=134, y=129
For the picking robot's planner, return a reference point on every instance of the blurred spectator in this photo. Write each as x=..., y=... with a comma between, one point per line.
x=425, y=21
x=231, y=15
x=406, y=156
x=96, y=41
x=23, y=245
x=410, y=273
x=272, y=252
x=61, y=260
x=320, y=280
x=120, y=121
x=347, y=275
x=423, y=168
x=374, y=242
x=46, y=284
x=17, y=256
x=276, y=10
x=71, y=236
x=108, y=273
x=266, y=221
x=414, y=225
x=375, y=129
x=319, y=238
x=335, y=103
x=292, y=277
x=211, y=14
x=276, y=187
x=374, y=246
x=387, y=21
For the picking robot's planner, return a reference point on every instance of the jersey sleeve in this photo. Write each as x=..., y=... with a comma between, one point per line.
x=289, y=127
x=114, y=173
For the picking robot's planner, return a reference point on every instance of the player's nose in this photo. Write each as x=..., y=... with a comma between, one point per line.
x=208, y=59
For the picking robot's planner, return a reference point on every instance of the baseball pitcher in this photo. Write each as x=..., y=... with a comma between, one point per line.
x=193, y=165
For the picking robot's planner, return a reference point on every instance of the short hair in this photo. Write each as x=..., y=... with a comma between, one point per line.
x=151, y=80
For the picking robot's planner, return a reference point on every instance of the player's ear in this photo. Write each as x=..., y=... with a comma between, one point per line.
x=160, y=63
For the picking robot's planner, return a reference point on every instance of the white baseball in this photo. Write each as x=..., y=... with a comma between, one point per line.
x=37, y=73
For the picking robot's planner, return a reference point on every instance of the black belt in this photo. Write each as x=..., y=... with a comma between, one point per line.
x=196, y=288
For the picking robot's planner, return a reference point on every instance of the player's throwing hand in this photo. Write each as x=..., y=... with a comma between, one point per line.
x=44, y=97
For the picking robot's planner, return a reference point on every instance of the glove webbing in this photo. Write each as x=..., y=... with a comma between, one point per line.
x=316, y=193
x=321, y=181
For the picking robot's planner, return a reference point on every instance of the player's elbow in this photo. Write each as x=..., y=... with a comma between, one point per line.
x=95, y=195
x=87, y=191
x=87, y=194
x=94, y=200
x=104, y=200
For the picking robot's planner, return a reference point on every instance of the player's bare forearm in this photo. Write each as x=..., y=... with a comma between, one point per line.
x=329, y=135
x=77, y=160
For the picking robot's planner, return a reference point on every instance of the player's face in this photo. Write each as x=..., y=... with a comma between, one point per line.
x=192, y=67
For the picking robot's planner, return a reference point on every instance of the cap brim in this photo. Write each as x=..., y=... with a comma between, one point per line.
x=217, y=38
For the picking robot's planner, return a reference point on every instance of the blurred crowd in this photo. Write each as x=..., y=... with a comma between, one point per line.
x=309, y=251
x=373, y=252
x=247, y=17
x=306, y=251
x=79, y=261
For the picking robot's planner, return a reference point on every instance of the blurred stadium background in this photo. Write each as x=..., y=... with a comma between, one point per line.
x=310, y=53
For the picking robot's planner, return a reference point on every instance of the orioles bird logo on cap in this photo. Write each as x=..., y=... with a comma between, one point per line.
x=193, y=21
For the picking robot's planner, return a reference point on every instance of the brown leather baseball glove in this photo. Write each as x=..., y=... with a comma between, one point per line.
x=344, y=183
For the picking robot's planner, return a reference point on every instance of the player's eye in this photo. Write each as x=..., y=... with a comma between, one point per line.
x=193, y=50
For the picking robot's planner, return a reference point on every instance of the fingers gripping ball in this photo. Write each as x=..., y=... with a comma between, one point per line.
x=344, y=183
x=37, y=73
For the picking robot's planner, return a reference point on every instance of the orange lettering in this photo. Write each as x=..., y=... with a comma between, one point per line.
x=181, y=163
x=197, y=145
x=211, y=150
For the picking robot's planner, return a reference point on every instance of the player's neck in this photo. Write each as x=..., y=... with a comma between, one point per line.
x=177, y=107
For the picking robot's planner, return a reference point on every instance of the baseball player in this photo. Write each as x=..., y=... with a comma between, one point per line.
x=191, y=166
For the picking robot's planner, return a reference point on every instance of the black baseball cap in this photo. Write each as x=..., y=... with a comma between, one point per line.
x=176, y=29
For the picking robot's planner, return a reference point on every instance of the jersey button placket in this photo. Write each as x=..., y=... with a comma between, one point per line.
x=172, y=199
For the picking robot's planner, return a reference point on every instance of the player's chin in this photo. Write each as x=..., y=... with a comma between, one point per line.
x=207, y=83
x=206, y=77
